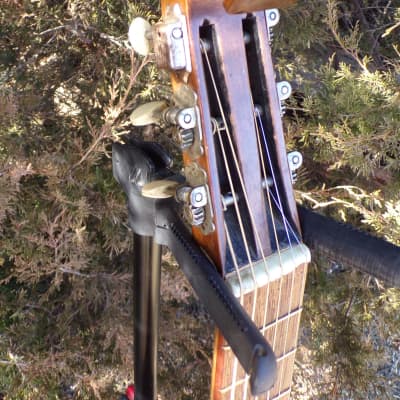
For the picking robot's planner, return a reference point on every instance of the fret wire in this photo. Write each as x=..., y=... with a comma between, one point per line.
x=247, y=377
x=285, y=317
x=281, y=319
x=282, y=395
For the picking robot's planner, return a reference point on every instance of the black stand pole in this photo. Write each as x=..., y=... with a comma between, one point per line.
x=146, y=286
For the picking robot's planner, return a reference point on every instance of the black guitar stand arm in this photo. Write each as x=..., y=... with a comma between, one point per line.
x=156, y=222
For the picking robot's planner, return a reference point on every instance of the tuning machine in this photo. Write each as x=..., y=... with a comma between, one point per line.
x=158, y=112
x=295, y=161
x=272, y=17
x=184, y=114
x=284, y=90
x=192, y=199
x=168, y=40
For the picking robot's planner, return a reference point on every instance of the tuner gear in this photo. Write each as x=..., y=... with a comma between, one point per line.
x=194, y=216
x=186, y=138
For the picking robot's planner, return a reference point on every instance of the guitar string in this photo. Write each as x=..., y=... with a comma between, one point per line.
x=235, y=159
x=258, y=121
x=245, y=194
x=277, y=242
x=235, y=198
x=236, y=162
x=288, y=226
x=234, y=376
x=242, y=184
x=232, y=252
x=292, y=283
x=264, y=171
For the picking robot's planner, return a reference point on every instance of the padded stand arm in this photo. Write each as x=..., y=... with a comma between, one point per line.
x=159, y=218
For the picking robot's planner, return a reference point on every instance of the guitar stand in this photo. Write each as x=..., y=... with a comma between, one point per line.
x=156, y=222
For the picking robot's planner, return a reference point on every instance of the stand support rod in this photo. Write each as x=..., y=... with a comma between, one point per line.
x=146, y=286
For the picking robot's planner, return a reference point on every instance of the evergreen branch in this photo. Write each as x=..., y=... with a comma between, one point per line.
x=122, y=106
x=344, y=43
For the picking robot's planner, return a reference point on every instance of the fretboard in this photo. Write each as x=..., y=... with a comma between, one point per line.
x=277, y=314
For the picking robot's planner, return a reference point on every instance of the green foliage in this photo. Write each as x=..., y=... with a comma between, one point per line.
x=345, y=63
x=68, y=82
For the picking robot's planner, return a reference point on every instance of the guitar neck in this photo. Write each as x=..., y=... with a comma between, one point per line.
x=277, y=314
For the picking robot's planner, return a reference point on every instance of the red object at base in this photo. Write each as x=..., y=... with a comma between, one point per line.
x=130, y=392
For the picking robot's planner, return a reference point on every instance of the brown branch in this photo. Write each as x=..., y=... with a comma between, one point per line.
x=122, y=106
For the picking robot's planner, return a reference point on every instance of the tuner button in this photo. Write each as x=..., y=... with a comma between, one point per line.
x=140, y=36
x=150, y=113
x=162, y=189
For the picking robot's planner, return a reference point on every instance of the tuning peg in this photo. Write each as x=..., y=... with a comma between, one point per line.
x=140, y=36
x=162, y=189
x=149, y=113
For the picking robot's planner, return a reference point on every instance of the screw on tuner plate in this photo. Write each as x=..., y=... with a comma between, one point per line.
x=168, y=39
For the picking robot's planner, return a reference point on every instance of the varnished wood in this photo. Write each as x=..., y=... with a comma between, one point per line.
x=241, y=6
x=215, y=243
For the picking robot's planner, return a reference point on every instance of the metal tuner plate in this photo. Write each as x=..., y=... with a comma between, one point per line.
x=295, y=160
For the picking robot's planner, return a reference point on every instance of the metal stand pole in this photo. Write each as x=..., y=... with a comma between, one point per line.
x=146, y=286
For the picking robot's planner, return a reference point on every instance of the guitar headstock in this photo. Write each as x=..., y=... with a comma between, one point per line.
x=222, y=76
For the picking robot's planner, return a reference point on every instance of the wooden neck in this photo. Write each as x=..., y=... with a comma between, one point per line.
x=278, y=313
